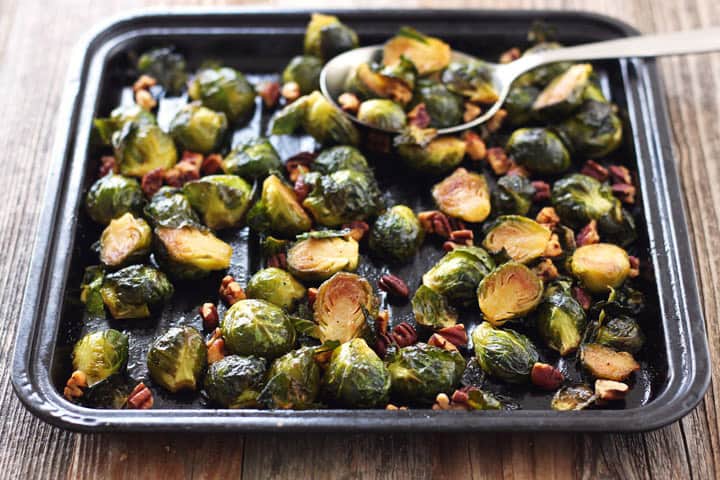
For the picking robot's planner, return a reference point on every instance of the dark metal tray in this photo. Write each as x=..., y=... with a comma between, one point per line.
x=675, y=361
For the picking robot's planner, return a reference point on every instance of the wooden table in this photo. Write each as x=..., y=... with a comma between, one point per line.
x=35, y=43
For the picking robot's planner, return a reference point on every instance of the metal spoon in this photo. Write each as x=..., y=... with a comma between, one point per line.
x=332, y=77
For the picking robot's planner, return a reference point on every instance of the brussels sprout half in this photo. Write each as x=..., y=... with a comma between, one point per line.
x=577, y=397
x=171, y=209
x=198, y=129
x=605, y=363
x=538, y=149
x=432, y=310
x=342, y=157
x=561, y=322
x=141, y=148
x=235, y=381
x=444, y=108
x=600, y=266
x=382, y=114
x=542, y=76
x=134, y=290
x=326, y=37
x=293, y=381
x=123, y=114
x=471, y=79
x=100, y=354
x=396, y=234
x=440, y=155
x=190, y=252
x=222, y=200
x=166, y=66
x=224, y=90
x=518, y=104
x=621, y=333
x=113, y=196
x=512, y=195
x=579, y=198
x=305, y=71
x=428, y=54
x=594, y=131
x=124, y=241
x=257, y=327
x=464, y=195
x=90, y=293
x=521, y=238
x=315, y=259
x=177, y=359
x=276, y=286
x=278, y=211
x=565, y=92
x=252, y=159
x=341, y=305
x=510, y=291
x=395, y=82
x=458, y=274
x=504, y=354
x=342, y=197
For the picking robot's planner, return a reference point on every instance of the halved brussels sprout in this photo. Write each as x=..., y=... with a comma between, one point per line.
x=621, y=333
x=342, y=157
x=293, y=381
x=428, y=54
x=458, y=274
x=224, y=90
x=166, y=66
x=419, y=372
x=326, y=37
x=222, y=200
x=252, y=159
x=278, y=210
x=440, y=155
x=396, y=234
x=394, y=82
x=521, y=238
x=518, y=104
x=561, y=322
x=443, y=106
x=198, y=129
x=541, y=76
x=111, y=393
x=90, y=293
x=504, y=354
x=177, y=359
x=132, y=291
x=356, y=377
x=235, y=381
x=100, y=354
x=472, y=79
x=142, y=147
x=170, y=208
x=594, y=131
x=305, y=71
x=341, y=305
x=342, y=197
x=125, y=240
x=383, y=114
x=257, y=327
x=538, y=149
x=579, y=198
x=432, y=310
x=464, y=195
x=123, y=114
x=577, y=397
x=513, y=195
x=113, y=196
x=600, y=266
x=510, y=291
x=565, y=92
x=605, y=363
x=276, y=286
x=190, y=252
x=315, y=259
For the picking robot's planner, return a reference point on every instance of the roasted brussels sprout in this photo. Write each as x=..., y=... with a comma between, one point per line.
x=142, y=147
x=419, y=372
x=594, y=131
x=190, y=252
x=439, y=155
x=252, y=159
x=396, y=234
x=504, y=353
x=394, y=82
x=577, y=397
x=510, y=291
x=458, y=274
x=315, y=259
x=432, y=310
x=605, y=363
x=90, y=291
x=518, y=104
x=561, y=322
x=539, y=150
x=113, y=196
x=464, y=195
x=356, y=377
x=171, y=209
x=513, y=195
x=235, y=381
x=342, y=157
x=341, y=305
x=541, y=76
x=600, y=266
x=382, y=114
x=166, y=66
x=222, y=200
x=123, y=114
x=326, y=37
x=471, y=79
x=276, y=286
x=111, y=393
x=100, y=354
x=256, y=327
x=305, y=71
x=177, y=359
x=342, y=197
x=521, y=238
x=124, y=241
x=443, y=106
x=621, y=333
x=293, y=380
x=134, y=290
x=198, y=129
x=428, y=54
x=224, y=90
x=278, y=211
x=564, y=93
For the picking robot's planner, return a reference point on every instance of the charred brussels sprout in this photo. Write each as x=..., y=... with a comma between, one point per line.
x=428, y=54
x=621, y=333
x=396, y=234
x=419, y=372
x=253, y=159
x=166, y=66
x=605, y=363
x=356, y=377
x=100, y=354
x=305, y=71
x=326, y=37
x=191, y=252
x=177, y=359
x=142, y=147
x=340, y=158
x=561, y=322
x=222, y=200
x=342, y=197
x=510, y=291
x=518, y=104
x=341, y=305
x=276, y=286
x=464, y=195
x=113, y=196
x=440, y=155
x=314, y=259
x=125, y=240
x=293, y=381
x=594, y=131
x=577, y=397
x=471, y=79
x=224, y=90
x=393, y=82
x=382, y=114
x=432, y=309
x=443, y=106
x=521, y=238
x=565, y=92
x=256, y=327
x=90, y=291
x=198, y=129
x=513, y=195
x=600, y=266
x=170, y=208
x=123, y=114
x=235, y=381
x=539, y=150
x=278, y=211
x=134, y=290
x=541, y=76
x=458, y=274
x=504, y=354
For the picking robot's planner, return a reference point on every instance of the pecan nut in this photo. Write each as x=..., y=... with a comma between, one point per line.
x=291, y=91
x=358, y=229
x=548, y=216
x=634, y=266
x=215, y=347
x=465, y=237
x=553, y=248
x=542, y=191
x=620, y=174
x=349, y=102
x=231, y=291
x=455, y=334
x=435, y=222
x=475, y=146
x=382, y=342
x=404, y=334
x=312, y=293
x=449, y=246
x=610, y=390
x=269, y=92
x=437, y=340
x=394, y=285
x=546, y=270
x=144, y=82
x=141, y=398
x=301, y=189
x=588, y=235
x=471, y=112
x=145, y=100
x=279, y=260
x=75, y=385
x=184, y=171
x=498, y=160
x=108, y=164
x=209, y=314
x=496, y=121
x=381, y=322
x=546, y=376
x=419, y=116
x=211, y=164
x=625, y=192
x=510, y=55
x=582, y=297
x=152, y=181
x=595, y=170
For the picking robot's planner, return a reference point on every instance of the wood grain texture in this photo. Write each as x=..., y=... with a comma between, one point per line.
x=35, y=43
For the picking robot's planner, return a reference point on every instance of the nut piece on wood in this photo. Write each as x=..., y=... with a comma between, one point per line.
x=209, y=315
x=75, y=385
x=404, y=334
x=546, y=376
x=349, y=102
x=140, y=398
x=394, y=286
x=455, y=334
x=215, y=347
x=610, y=390
x=231, y=291
x=437, y=340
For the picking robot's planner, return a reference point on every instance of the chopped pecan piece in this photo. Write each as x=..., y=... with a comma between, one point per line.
x=291, y=91
x=75, y=385
x=382, y=342
x=582, y=297
x=471, y=112
x=145, y=100
x=193, y=158
x=496, y=121
x=211, y=164
x=184, y=171
x=215, y=347
x=209, y=314
x=498, y=160
x=107, y=164
x=518, y=170
x=152, y=181
x=301, y=189
x=634, y=266
x=299, y=164
x=269, y=92
x=449, y=246
x=381, y=322
x=510, y=55
x=442, y=402
x=620, y=174
x=588, y=235
x=475, y=146
x=419, y=116
x=390, y=406
x=358, y=229
x=144, y=82
x=231, y=291
x=546, y=270
x=546, y=376
x=553, y=248
x=455, y=334
x=610, y=390
x=464, y=237
x=279, y=260
x=394, y=285
x=548, y=216
x=312, y=295
x=625, y=192
x=349, y=102
x=140, y=398
x=439, y=341
x=404, y=334
x=434, y=221
x=542, y=191
x=595, y=170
